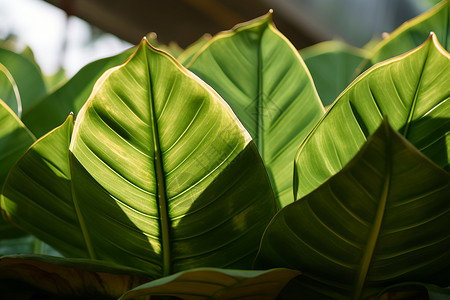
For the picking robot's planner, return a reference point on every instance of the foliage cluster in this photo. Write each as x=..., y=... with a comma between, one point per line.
x=238, y=168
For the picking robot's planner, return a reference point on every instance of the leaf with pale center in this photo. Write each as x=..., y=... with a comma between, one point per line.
x=264, y=80
x=412, y=90
x=159, y=175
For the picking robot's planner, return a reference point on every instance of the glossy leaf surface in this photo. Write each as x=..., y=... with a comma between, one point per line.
x=332, y=65
x=26, y=76
x=266, y=83
x=14, y=140
x=217, y=284
x=412, y=33
x=159, y=175
x=50, y=111
x=71, y=278
x=412, y=90
x=381, y=220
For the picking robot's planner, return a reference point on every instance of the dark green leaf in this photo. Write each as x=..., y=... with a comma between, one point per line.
x=412, y=33
x=209, y=283
x=381, y=220
x=332, y=65
x=28, y=78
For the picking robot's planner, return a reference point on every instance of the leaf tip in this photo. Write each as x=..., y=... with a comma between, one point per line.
x=269, y=15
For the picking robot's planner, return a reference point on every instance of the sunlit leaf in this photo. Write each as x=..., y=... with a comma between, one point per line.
x=263, y=78
x=50, y=111
x=412, y=90
x=159, y=175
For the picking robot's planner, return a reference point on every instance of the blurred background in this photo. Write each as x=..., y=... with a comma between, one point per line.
x=68, y=34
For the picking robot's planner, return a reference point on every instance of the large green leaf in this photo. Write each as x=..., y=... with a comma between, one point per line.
x=27, y=77
x=50, y=111
x=412, y=90
x=14, y=140
x=383, y=219
x=332, y=65
x=412, y=33
x=159, y=175
x=209, y=283
x=68, y=278
x=264, y=80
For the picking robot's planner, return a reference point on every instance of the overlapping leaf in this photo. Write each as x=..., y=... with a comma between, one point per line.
x=412, y=33
x=332, y=65
x=186, y=56
x=209, y=283
x=50, y=111
x=15, y=138
x=26, y=76
x=159, y=175
x=265, y=81
x=383, y=219
x=412, y=90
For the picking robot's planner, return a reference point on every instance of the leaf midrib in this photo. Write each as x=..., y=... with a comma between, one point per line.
x=260, y=100
x=376, y=228
x=416, y=94
x=161, y=195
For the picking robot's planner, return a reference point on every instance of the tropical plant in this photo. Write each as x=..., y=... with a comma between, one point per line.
x=218, y=174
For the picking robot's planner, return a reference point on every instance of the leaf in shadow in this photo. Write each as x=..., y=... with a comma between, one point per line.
x=381, y=220
x=220, y=284
x=61, y=278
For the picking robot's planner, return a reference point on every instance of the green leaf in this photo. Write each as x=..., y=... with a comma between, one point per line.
x=14, y=139
x=332, y=65
x=412, y=90
x=382, y=219
x=74, y=278
x=160, y=175
x=264, y=80
x=27, y=77
x=413, y=290
x=45, y=172
x=412, y=33
x=50, y=111
x=26, y=244
x=186, y=56
x=22, y=244
x=209, y=283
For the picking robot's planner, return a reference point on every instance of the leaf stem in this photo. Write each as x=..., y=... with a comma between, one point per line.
x=162, y=199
